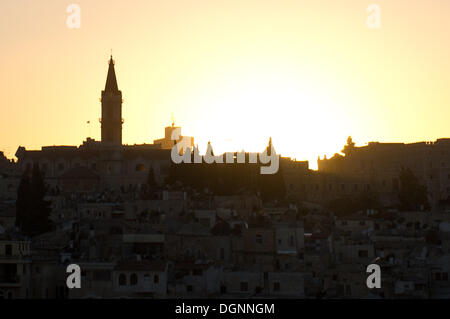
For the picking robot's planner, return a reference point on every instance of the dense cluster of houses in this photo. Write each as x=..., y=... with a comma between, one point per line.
x=189, y=244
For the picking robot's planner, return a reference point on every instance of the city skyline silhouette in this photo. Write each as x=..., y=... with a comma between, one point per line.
x=306, y=76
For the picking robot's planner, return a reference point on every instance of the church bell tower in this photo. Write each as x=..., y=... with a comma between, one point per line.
x=111, y=121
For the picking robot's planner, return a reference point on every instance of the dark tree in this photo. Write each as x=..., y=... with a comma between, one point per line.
x=33, y=211
x=349, y=147
x=411, y=194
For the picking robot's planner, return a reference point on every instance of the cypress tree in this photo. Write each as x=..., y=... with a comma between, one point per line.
x=40, y=216
x=32, y=210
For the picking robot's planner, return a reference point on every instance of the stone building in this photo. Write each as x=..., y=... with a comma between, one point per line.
x=376, y=167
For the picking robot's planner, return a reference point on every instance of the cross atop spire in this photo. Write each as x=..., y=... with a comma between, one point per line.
x=111, y=81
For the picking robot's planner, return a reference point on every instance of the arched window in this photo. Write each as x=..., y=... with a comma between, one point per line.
x=122, y=280
x=133, y=280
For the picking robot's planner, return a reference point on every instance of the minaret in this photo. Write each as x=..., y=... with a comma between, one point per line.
x=111, y=109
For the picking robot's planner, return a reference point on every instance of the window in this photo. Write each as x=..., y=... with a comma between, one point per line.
x=363, y=253
x=445, y=276
x=156, y=279
x=437, y=276
x=189, y=288
x=8, y=250
x=122, y=280
x=60, y=166
x=259, y=239
x=276, y=286
x=244, y=286
x=362, y=223
x=133, y=279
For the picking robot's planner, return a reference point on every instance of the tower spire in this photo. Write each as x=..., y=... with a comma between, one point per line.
x=111, y=80
x=111, y=109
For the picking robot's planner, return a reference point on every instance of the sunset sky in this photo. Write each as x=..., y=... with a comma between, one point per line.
x=307, y=73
